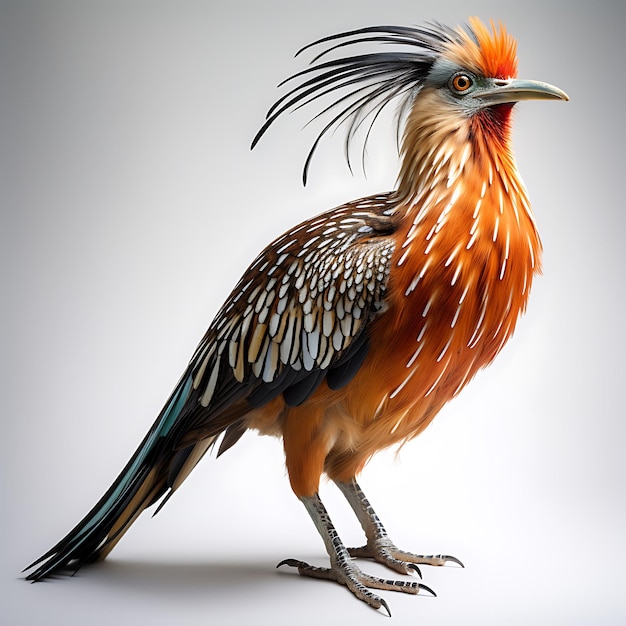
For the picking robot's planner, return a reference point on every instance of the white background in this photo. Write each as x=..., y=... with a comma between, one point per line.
x=131, y=203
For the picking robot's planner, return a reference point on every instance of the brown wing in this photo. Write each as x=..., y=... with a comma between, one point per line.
x=299, y=313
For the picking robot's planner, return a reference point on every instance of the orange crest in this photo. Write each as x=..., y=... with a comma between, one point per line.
x=491, y=53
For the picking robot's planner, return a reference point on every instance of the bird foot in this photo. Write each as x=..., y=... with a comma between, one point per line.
x=348, y=574
x=384, y=551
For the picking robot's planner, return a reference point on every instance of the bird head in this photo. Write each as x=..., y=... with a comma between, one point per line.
x=477, y=69
x=447, y=81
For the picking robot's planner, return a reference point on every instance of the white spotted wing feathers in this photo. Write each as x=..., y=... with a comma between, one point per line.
x=301, y=308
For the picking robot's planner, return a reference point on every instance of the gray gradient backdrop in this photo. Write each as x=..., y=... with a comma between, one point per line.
x=130, y=206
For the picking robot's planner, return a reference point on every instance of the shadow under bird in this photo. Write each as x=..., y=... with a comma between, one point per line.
x=351, y=331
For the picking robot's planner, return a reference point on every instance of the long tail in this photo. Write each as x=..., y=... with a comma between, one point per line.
x=156, y=467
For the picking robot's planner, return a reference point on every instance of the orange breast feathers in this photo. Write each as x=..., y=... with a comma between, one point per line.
x=460, y=278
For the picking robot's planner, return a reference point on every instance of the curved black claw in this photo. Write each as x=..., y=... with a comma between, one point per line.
x=452, y=559
x=415, y=568
x=384, y=604
x=426, y=588
x=292, y=563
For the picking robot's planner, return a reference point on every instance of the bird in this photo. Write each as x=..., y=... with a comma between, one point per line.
x=348, y=333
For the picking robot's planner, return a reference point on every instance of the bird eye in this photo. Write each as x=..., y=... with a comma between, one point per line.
x=461, y=82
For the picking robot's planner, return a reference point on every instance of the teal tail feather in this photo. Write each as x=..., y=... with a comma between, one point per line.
x=146, y=478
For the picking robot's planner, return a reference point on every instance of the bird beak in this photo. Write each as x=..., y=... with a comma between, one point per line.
x=514, y=90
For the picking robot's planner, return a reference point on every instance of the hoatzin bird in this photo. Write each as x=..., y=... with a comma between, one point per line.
x=350, y=332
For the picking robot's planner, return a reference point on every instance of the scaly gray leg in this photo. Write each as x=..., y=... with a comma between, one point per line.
x=342, y=569
x=379, y=547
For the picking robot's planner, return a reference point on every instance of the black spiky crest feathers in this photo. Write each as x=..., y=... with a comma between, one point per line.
x=364, y=83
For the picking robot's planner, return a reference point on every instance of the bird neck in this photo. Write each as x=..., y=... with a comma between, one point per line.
x=438, y=146
x=452, y=166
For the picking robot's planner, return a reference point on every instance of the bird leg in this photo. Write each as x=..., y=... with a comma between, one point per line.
x=379, y=546
x=342, y=569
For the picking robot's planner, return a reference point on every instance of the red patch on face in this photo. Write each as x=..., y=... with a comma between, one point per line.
x=494, y=122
